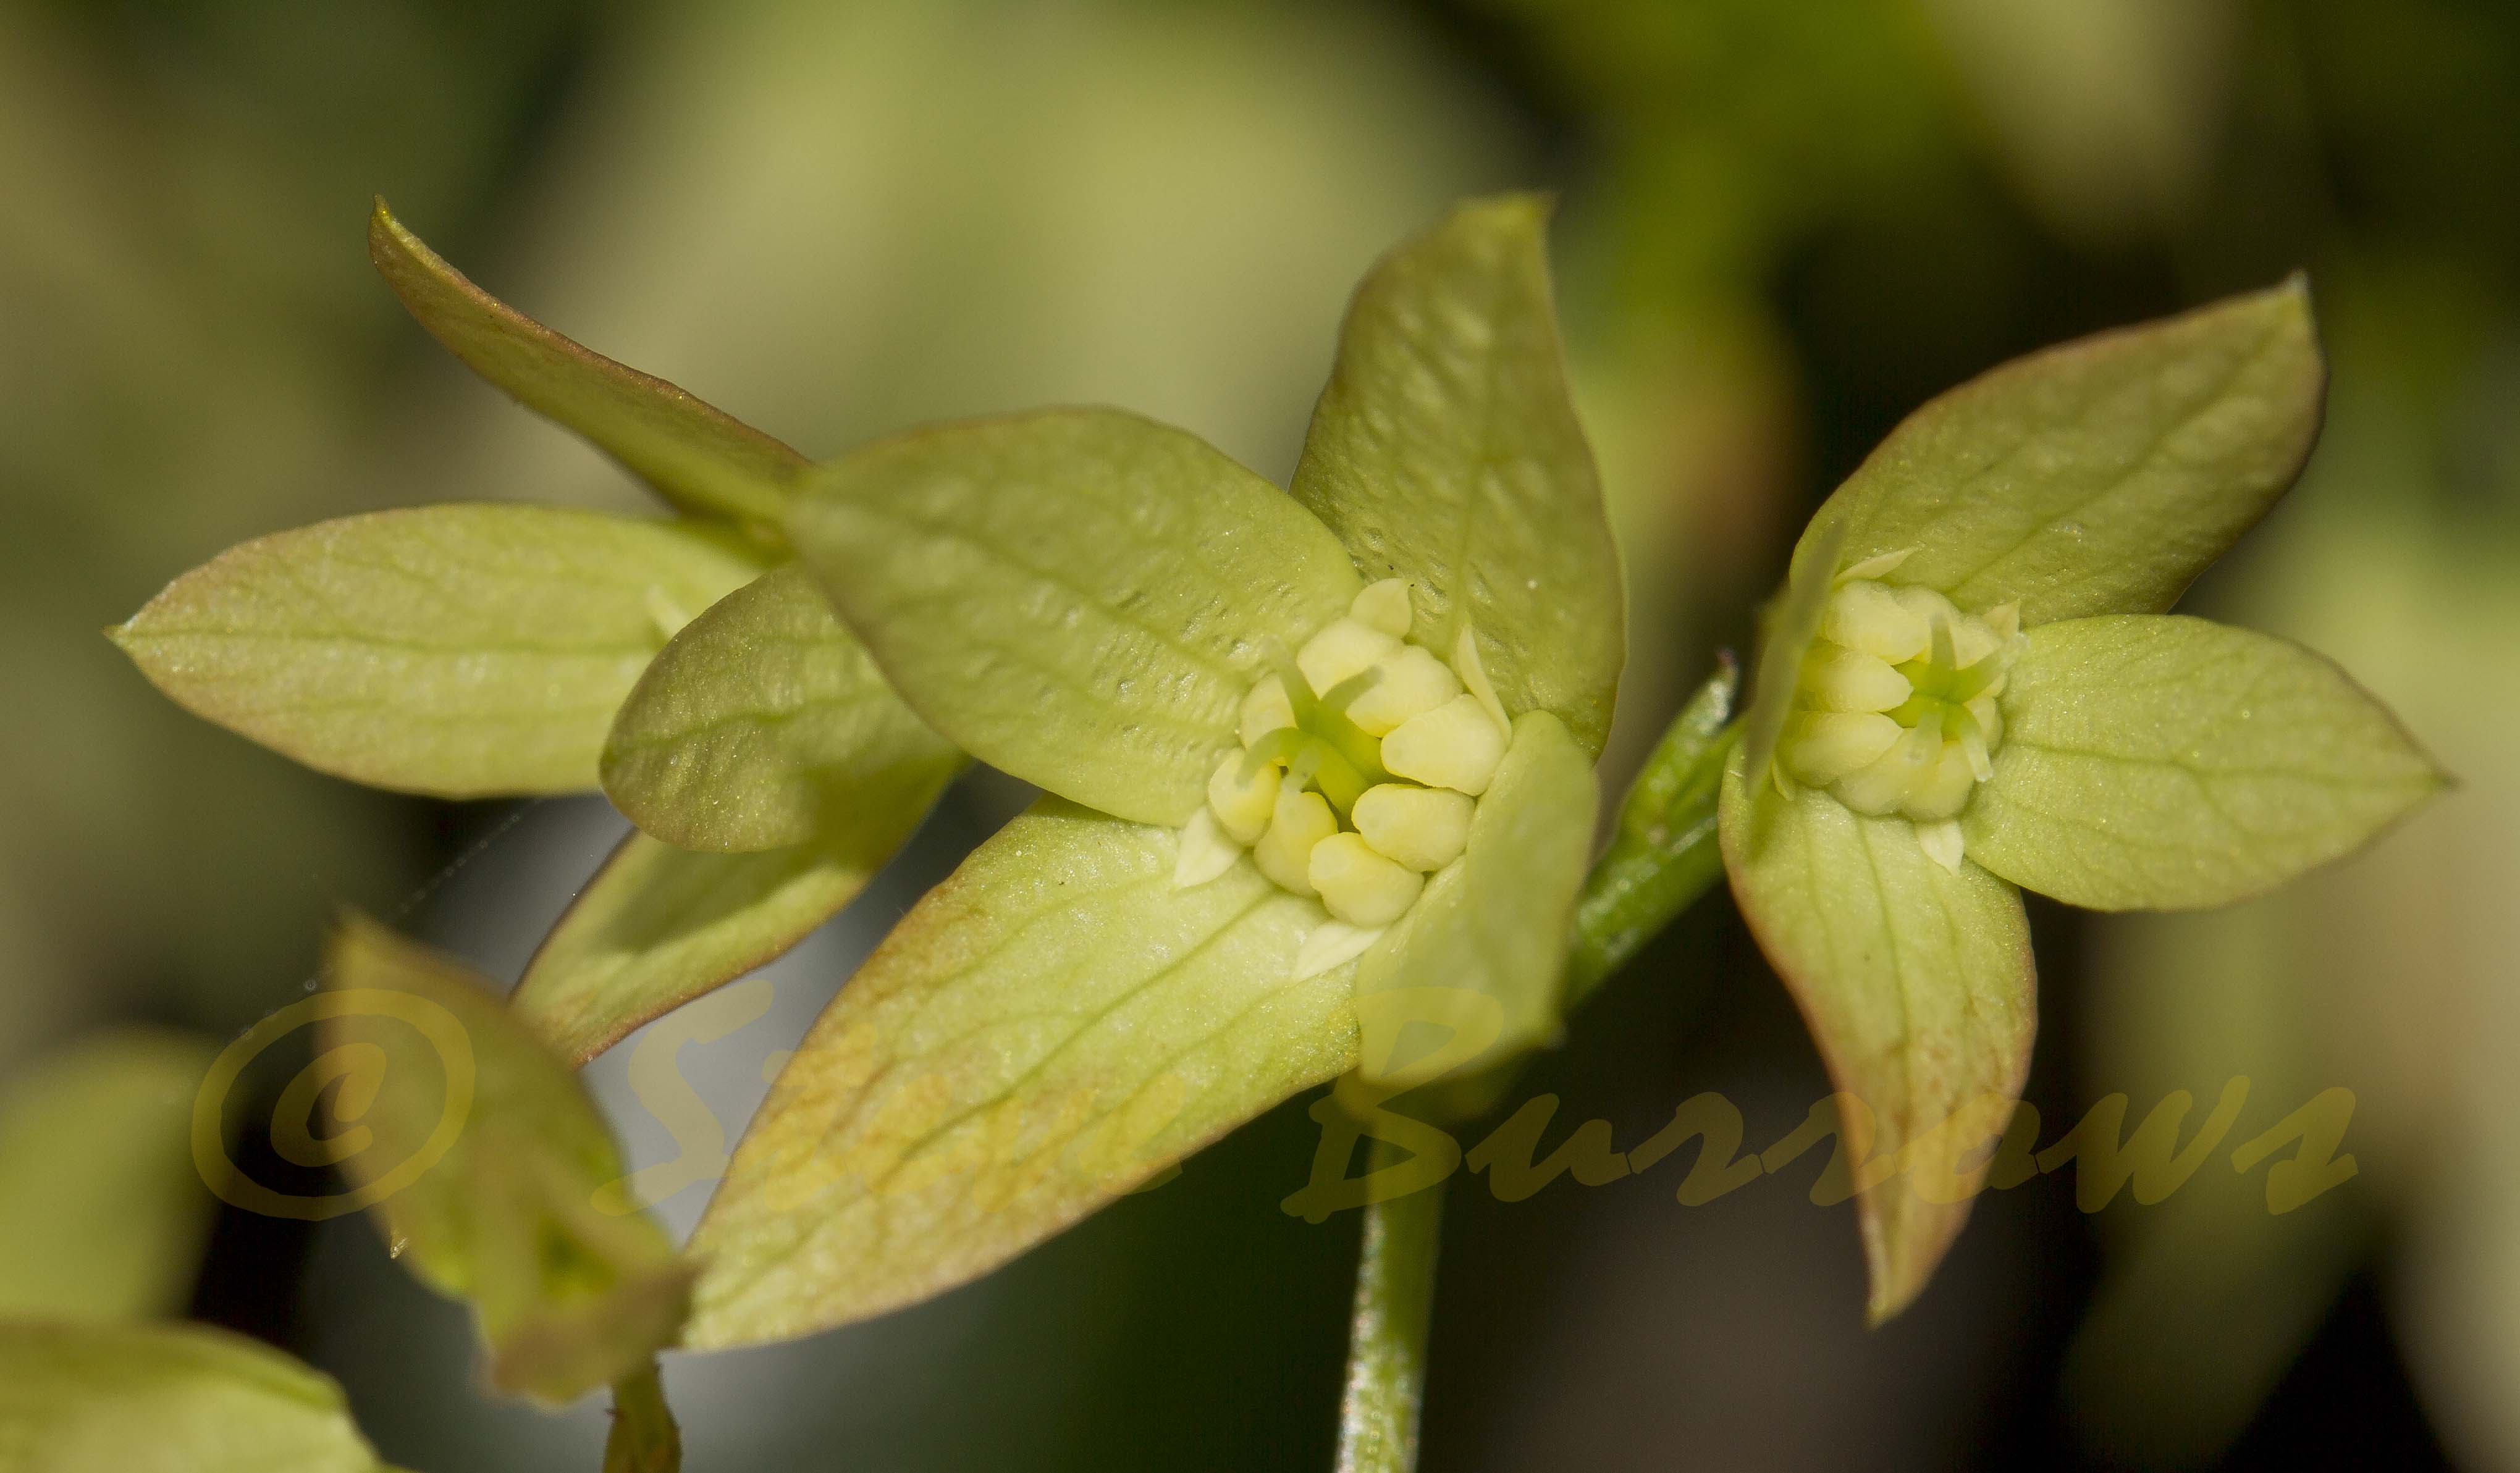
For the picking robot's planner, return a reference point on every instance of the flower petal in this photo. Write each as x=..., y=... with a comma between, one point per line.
x=1446, y=451
x=2161, y=761
x=699, y=458
x=461, y=651
x=164, y=1396
x=1486, y=943
x=658, y=925
x=1916, y=983
x=569, y=1295
x=1079, y=597
x=764, y=724
x=1047, y=1029
x=2102, y=475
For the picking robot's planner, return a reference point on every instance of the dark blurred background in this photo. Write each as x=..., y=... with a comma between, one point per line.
x=1783, y=227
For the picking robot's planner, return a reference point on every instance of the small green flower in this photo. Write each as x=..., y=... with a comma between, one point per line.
x=1300, y=750
x=1972, y=687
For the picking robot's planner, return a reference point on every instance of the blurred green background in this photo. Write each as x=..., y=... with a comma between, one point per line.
x=1782, y=226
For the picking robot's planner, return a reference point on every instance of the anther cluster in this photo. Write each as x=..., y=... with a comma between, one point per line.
x=1362, y=761
x=1895, y=712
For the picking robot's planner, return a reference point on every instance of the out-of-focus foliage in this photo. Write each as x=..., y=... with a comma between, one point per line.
x=102, y=1215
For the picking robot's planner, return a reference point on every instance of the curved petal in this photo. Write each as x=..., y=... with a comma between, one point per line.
x=78, y=1397
x=1047, y=1029
x=1485, y=947
x=1079, y=597
x=658, y=926
x=512, y=1161
x=700, y=457
x=1916, y=983
x=2102, y=475
x=764, y=724
x=1446, y=451
x=2158, y=762
x=461, y=651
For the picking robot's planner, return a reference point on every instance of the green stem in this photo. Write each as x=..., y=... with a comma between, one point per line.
x=1395, y=1297
x=644, y=1437
x=1663, y=858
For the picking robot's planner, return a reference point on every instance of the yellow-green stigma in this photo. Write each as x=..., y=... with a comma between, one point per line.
x=1895, y=711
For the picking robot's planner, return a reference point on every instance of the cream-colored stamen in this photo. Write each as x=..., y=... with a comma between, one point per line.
x=1422, y=828
x=1455, y=745
x=1360, y=886
x=1896, y=713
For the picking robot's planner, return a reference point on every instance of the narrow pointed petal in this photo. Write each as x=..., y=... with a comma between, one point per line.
x=1446, y=452
x=1493, y=925
x=143, y=1396
x=2102, y=475
x=1082, y=597
x=486, y=1160
x=2159, y=762
x=698, y=457
x=1047, y=1029
x=1915, y=980
x=658, y=926
x=765, y=725
x=461, y=651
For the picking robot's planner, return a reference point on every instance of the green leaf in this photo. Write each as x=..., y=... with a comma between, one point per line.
x=1484, y=950
x=1048, y=1028
x=166, y=1398
x=102, y=1215
x=700, y=458
x=658, y=926
x=1446, y=451
x=1079, y=597
x=458, y=650
x=482, y=1157
x=2160, y=762
x=1665, y=853
x=1916, y=983
x=765, y=724
x=2102, y=475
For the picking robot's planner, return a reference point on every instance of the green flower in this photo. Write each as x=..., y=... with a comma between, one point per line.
x=1310, y=759
x=1972, y=687
x=682, y=664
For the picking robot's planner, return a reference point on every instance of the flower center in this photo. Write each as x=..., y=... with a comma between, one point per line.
x=1895, y=712
x=1362, y=761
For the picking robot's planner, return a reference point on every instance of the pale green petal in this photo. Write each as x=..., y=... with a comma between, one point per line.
x=697, y=457
x=1079, y=597
x=166, y=1398
x=765, y=724
x=458, y=650
x=2158, y=762
x=1485, y=947
x=2102, y=475
x=1047, y=1029
x=1787, y=626
x=658, y=926
x=511, y=1155
x=1916, y=983
x=102, y=1215
x=1446, y=451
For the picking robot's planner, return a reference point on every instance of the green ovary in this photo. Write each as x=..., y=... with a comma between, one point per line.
x=1361, y=765
x=1895, y=713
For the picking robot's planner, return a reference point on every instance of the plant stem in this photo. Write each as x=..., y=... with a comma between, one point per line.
x=644, y=1437
x=1395, y=1297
